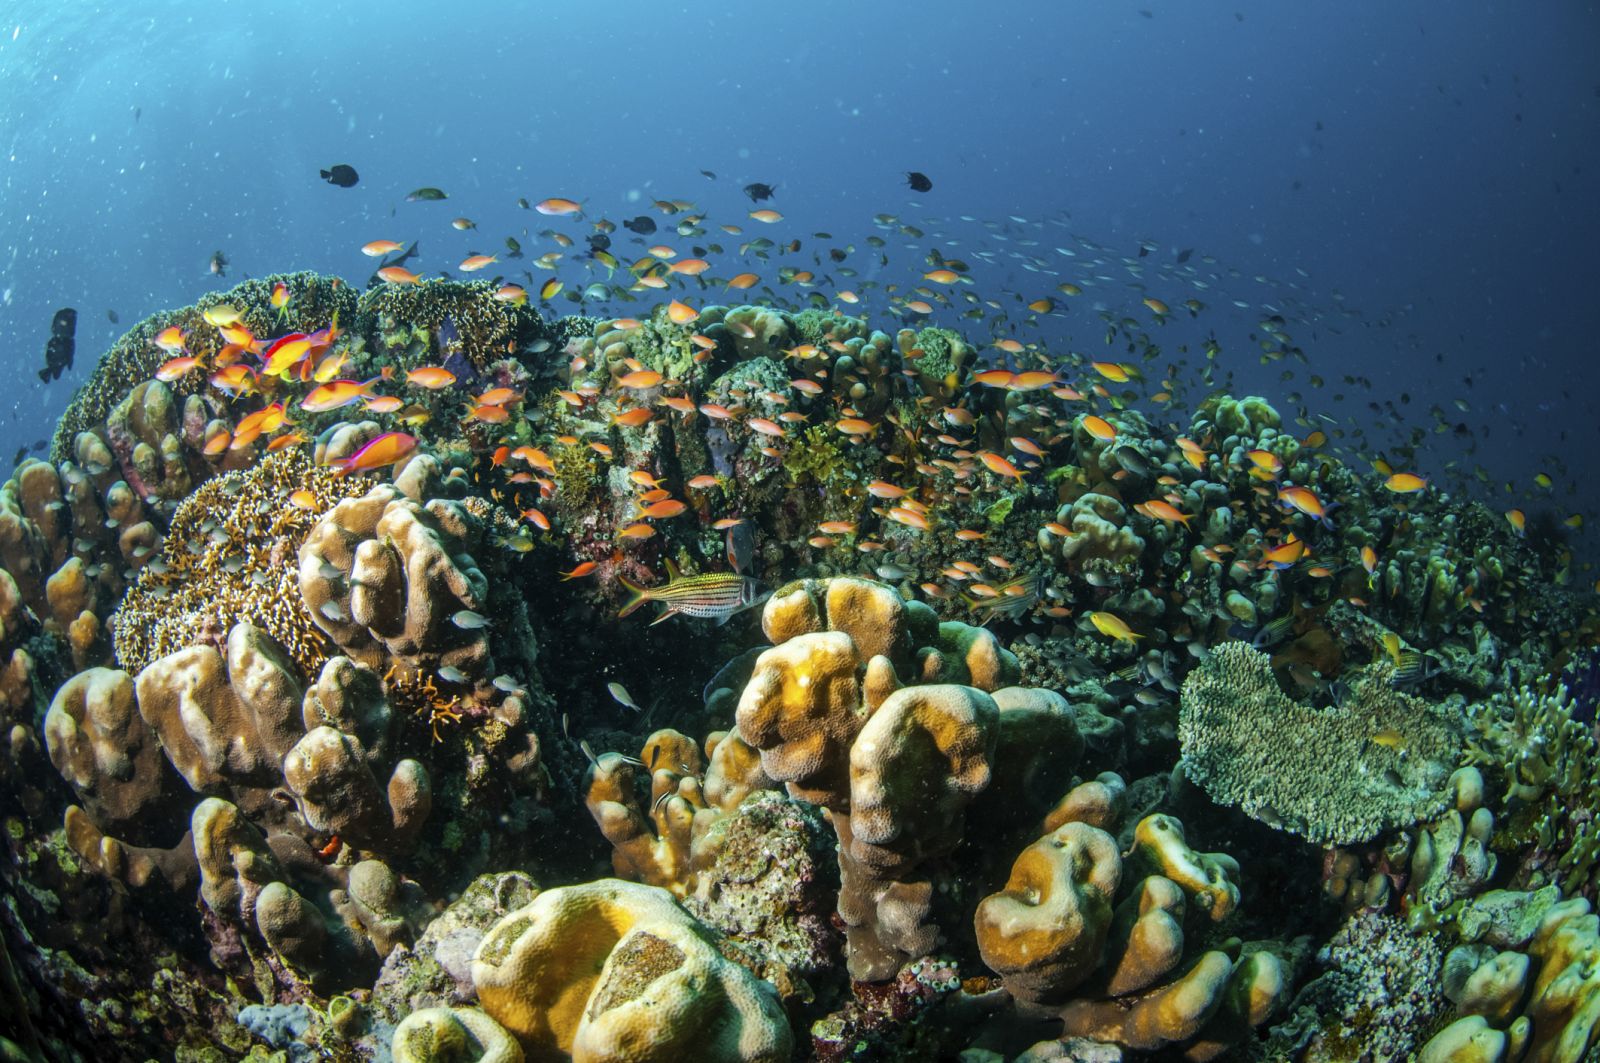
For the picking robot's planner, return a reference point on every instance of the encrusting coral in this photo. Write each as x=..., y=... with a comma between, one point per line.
x=1340, y=774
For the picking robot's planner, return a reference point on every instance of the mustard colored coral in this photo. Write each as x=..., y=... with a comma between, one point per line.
x=616, y=970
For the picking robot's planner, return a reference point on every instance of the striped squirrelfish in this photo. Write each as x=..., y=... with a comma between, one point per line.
x=713, y=595
x=1012, y=600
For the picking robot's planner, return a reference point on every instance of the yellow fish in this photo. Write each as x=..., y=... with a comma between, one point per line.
x=1113, y=626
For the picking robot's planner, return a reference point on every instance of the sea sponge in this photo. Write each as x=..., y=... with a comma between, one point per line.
x=1317, y=773
x=612, y=969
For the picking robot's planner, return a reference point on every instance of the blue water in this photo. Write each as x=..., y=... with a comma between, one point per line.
x=1439, y=224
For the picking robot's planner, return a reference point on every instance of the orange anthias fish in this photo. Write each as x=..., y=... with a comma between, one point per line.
x=384, y=450
x=1404, y=483
x=171, y=339
x=432, y=377
x=558, y=207
x=285, y=353
x=1284, y=556
x=1265, y=461
x=337, y=393
x=398, y=275
x=176, y=368
x=1162, y=510
x=1306, y=501
x=1099, y=428
x=998, y=465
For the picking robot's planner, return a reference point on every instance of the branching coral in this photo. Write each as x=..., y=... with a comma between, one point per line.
x=230, y=555
x=1548, y=763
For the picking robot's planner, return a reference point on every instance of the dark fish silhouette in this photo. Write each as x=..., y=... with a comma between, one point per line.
x=599, y=242
x=58, y=350
x=341, y=175
x=1183, y=256
x=643, y=225
x=758, y=191
x=22, y=452
x=513, y=248
x=428, y=194
x=39, y=444
x=708, y=175
x=218, y=264
x=918, y=182
x=111, y=316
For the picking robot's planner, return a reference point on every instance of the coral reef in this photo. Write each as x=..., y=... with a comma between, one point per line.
x=1074, y=718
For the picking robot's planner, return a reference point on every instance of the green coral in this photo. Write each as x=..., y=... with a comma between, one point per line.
x=816, y=457
x=999, y=510
x=489, y=328
x=1549, y=766
x=576, y=475
x=1336, y=776
x=1239, y=417
x=944, y=355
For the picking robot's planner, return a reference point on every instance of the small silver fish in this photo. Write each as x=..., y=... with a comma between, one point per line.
x=467, y=620
x=333, y=611
x=451, y=674
x=506, y=685
x=624, y=699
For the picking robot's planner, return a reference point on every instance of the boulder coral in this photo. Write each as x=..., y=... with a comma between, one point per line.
x=895, y=765
x=616, y=970
x=1099, y=940
x=278, y=779
x=383, y=576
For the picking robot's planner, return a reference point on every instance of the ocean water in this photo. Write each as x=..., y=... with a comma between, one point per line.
x=1376, y=219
